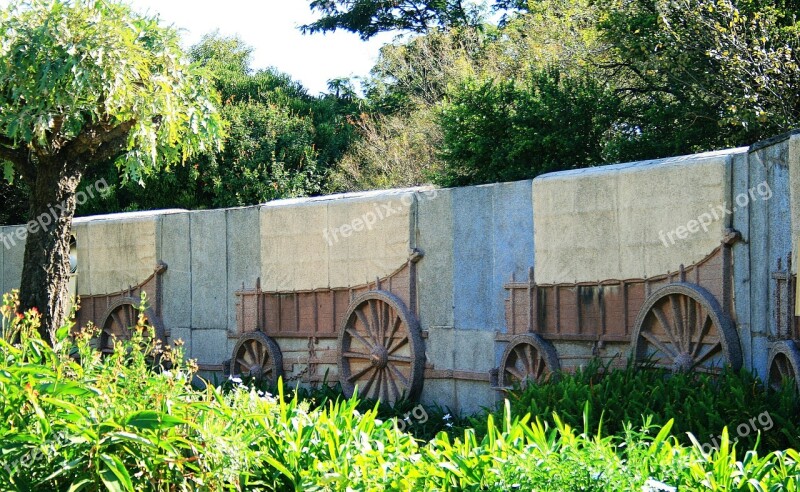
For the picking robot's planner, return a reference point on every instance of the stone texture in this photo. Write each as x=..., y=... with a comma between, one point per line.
x=122, y=253
x=176, y=252
x=435, y=270
x=209, y=346
x=613, y=222
x=209, y=272
x=794, y=176
x=244, y=255
x=12, y=260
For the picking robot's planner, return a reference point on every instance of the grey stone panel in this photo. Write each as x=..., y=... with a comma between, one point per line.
x=513, y=243
x=176, y=251
x=435, y=270
x=209, y=272
x=244, y=255
x=473, y=219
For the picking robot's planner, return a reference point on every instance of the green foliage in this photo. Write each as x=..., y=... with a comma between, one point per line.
x=699, y=404
x=369, y=17
x=72, y=419
x=500, y=131
x=85, y=67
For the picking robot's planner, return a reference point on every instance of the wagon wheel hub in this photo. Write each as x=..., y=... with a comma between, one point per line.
x=256, y=371
x=379, y=357
x=684, y=362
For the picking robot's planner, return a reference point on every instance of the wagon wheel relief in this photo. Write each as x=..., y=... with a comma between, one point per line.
x=258, y=356
x=527, y=358
x=784, y=364
x=681, y=327
x=380, y=349
x=122, y=317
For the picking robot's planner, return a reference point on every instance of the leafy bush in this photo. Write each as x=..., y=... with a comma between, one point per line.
x=71, y=419
x=699, y=404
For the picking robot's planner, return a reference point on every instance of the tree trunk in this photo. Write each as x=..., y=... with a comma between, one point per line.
x=46, y=269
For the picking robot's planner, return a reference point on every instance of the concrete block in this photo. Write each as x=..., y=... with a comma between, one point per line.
x=629, y=220
x=372, y=239
x=440, y=392
x=474, y=350
x=176, y=252
x=209, y=270
x=440, y=347
x=13, y=257
x=794, y=186
x=473, y=224
x=122, y=253
x=182, y=333
x=473, y=397
x=435, y=270
x=210, y=346
x=513, y=242
x=244, y=255
x=740, y=182
x=294, y=250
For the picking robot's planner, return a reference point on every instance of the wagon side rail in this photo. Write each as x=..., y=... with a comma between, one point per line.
x=603, y=311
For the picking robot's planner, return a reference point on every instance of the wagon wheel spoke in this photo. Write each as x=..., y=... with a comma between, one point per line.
x=665, y=325
x=540, y=368
x=677, y=319
x=359, y=374
x=713, y=350
x=403, y=379
x=530, y=359
x=386, y=319
x=514, y=372
x=352, y=332
x=400, y=344
x=691, y=323
x=355, y=355
x=395, y=325
x=399, y=358
x=657, y=343
x=396, y=393
x=243, y=363
x=707, y=324
x=367, y=327
x=365, y=391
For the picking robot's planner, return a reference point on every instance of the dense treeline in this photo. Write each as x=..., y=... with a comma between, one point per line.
x=457, y=100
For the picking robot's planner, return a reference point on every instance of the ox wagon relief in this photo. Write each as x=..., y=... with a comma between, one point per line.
x=379, y=345
x=327, y=289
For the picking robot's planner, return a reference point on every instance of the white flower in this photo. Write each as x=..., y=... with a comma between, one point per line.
x=449, y=424
x=235, y=380
x=447, y=417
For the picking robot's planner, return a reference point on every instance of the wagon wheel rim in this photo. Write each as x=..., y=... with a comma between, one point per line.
x=528, y=359
x=119, y=321
x=258, y=356
x=380, y=349
x=780, y=370
x=682, y=328
x=784, y=363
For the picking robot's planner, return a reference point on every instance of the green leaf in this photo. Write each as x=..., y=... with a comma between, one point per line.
x=150, y=419
x=8, y=172
x=114, y=475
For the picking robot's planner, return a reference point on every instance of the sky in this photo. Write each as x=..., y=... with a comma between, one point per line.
x=270, y=27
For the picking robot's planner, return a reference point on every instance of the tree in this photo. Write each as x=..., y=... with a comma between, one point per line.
x=82, y=82
x=370, y=17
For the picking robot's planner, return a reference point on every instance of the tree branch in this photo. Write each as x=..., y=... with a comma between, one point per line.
x=93, y=137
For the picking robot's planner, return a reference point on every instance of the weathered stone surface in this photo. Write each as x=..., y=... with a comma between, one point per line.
x=337, y=242
x=13, y=255
x=176, y=252
x=435, y=271
x=244, y=255
x=209, y=346
x=629, y=220
x=209, y=272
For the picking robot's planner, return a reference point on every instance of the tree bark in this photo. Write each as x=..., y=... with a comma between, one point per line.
x=46, y=269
